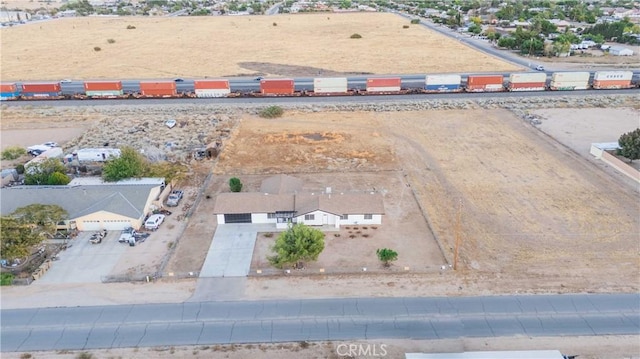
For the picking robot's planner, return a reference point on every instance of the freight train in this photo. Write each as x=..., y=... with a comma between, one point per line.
x=335, y=86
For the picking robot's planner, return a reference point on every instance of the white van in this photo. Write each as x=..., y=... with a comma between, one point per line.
x=154, y=222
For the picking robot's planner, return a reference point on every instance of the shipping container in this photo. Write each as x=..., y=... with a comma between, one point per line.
x=612, y=80
x=41, y=87
x=527, y=81
x=41, y=95
x=330, y=85
x=114, y=93
x=158, y=88
x=103, y=86
x=9, y=91
x=212, y=88
x=391, y=84
x=485, y=83
x=442, y=83
x=277, y=87
x=569, y=81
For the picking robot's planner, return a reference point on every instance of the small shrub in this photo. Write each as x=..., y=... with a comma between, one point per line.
x=303, y=344
x=356, y=228
x=130, y=27
x=415, y=21
x=84, y=355
x=365, y=235
x=356, y=36
x=111, y=41
x=405, y=26
x=6, y=279
x=26, y=356
x=374, y=227
x=365, y=227
x=235, y=185
x=358, y=232
x=169, y=245
x=20, y=169
x=336, y=235
x=12, y=153
x=347, y=227
x=97, y=48
x=275, y=24
x=268, y=234
x=352, y=236
x=271, y=112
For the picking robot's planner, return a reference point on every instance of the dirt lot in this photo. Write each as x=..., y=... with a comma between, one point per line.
x=602, y=347
x=316, y=44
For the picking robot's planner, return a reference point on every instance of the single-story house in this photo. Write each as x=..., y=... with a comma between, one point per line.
x=620, y=51
x=282, y=201
x=93, y=207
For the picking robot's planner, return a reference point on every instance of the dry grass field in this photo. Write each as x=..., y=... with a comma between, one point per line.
x=281, y=45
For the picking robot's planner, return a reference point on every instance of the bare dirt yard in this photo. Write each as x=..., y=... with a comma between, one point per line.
x=316, y=45
x=602, y=347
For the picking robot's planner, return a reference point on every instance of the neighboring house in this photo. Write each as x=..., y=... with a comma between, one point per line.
x=620, y=51
x=281, y=201
x=93, y=207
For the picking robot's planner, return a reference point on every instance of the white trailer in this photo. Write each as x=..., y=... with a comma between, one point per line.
x=97, y=154
x=570, y=81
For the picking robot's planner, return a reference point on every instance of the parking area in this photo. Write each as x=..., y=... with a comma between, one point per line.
x=84, y=262
x=231, y=251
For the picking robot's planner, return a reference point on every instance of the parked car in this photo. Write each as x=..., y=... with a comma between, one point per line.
x=51, y=144
x=539, y=68
x=171, y=123
x=154, y=222
x=174, y=198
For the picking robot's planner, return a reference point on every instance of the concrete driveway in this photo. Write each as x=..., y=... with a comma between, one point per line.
x=232, y=249
x=85, y=262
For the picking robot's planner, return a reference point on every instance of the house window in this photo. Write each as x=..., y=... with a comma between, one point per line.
x=271, y=215
x=368, y=216
x=309, y=217
x=344, y=217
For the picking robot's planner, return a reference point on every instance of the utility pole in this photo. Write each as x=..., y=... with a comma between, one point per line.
x=458, y=236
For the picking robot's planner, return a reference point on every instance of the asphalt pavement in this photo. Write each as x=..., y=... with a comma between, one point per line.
x=201, y=323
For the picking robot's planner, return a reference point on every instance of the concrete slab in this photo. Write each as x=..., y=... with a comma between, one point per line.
x=84, y=262
x=232, y=249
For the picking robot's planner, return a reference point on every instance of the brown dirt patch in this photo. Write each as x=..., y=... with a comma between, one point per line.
x=39, y=52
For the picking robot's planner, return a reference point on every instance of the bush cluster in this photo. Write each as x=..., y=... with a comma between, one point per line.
x=272, y=112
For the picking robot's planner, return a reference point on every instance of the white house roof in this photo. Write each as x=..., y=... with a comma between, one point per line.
x=128, y=201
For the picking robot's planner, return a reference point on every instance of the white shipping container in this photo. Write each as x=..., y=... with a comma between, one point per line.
x=443, y=80
x=528, y=77
x=384, y=89
x=212, y=92
x=332, y=84
x=570, y=77
x=613, y=75
x=97, y=154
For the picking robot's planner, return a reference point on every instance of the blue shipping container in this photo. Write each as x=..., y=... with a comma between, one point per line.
x=443, y=87
x=9, y=95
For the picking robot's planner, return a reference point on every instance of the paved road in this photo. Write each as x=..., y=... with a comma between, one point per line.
x=200, y=323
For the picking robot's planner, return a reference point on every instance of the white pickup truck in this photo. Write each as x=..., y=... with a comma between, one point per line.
x=174, y=198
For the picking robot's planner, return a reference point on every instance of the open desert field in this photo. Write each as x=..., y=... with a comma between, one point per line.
x=281, y=45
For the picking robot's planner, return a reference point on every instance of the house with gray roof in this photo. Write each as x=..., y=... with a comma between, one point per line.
x=283, y=201
x=91, y=207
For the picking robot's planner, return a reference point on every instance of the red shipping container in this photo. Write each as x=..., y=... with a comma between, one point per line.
x=277, y=87
x=211, y=84
x=41, y=87
x=611, y=84
x=163, y=88
x=8, y=88
x=386, y=82
x=485, y=83
x=103, y=86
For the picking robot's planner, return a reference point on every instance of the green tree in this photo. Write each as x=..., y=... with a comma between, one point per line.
x=58, y=179
x=40, y=172
x=41, y=217
x=475, y=29
x=386, y=256
x=630, y=145
x=17, y=238
x=130, y=164
x=297, y=245
x=235, y=185
x=12, y=153
x=507, y=42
